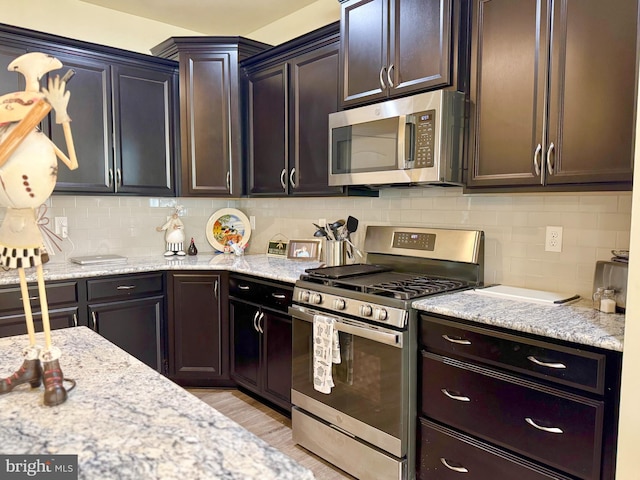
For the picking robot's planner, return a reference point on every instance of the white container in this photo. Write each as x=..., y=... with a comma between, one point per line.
x=608, y=302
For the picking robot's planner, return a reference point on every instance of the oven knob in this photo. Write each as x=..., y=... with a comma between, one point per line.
x=304, y=296
x=315, y=298
x=380, y=314
x=366, y=310
x=339, y=304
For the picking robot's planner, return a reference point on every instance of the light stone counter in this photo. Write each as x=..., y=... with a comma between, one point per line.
x=260, y=265
x=576, y=322
x=125, y=421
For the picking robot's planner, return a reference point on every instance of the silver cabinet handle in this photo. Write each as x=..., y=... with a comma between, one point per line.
x=215, y=290
x=110, y=177
x=291, y=181
x=389, y=73
x=559, y=366
x=549, y=164
x=244, y=287
x=381, y=77
x=30, y=298
x=255, y=320
x=260, y=318
x=94, y=321
x=279, y=296
x=283, y=175
x=75, y=319
x=544, y=429
x=451, y=467
x=125, y=287
x=459, y=341
x=119, y=177
x=536, y=159
x=228, y=181
x=459, y=398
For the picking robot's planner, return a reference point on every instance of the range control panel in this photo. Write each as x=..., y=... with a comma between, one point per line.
x=414, y=240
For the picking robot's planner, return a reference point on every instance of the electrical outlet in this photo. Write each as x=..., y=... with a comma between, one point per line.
x=252, y=222
x=61, y=226
x=553, y=240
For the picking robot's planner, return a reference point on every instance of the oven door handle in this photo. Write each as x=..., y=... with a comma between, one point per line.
x=393, y=339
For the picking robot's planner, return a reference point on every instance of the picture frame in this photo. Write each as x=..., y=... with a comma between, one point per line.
x=304, y=249
x=277, y=248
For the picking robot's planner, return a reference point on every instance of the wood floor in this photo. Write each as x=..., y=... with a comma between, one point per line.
x=268, y=424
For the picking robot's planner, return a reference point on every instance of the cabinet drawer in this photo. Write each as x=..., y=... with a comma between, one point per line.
x=267, y=294
x=563, y=365
x=447, y=455
x=57, y=294
x=559, y=429
x=125, y=286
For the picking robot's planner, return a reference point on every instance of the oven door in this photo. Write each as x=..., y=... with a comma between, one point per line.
x=369, y=399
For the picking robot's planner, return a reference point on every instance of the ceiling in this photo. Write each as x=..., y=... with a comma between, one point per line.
x=209, y=17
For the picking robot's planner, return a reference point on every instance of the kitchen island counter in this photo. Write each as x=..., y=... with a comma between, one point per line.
x=576, y=322
x=260, y=265
x=126, y=421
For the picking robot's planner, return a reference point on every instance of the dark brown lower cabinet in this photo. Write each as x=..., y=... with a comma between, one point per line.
x=59, y=318
x=260, y=338
x=198, y=329
x=496, y=403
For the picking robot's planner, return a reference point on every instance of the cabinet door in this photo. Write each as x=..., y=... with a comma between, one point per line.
x=10, y=81
x=210, y=159
x=592, y=96
x=59, y=318
x=91, y=120
x=245, y=344
x=314, y=95
x=419, y=45
x=508, y=78
x=364, y=30
x=276, y=363
x=133, y=325
x=144, y=137
x=268, y=131
x=198, y=328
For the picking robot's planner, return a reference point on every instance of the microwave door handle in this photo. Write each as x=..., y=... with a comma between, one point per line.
x=407, y=141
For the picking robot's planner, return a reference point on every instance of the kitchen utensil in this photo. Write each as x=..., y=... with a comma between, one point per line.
x=321, y=233
x=352, y=224
x=335, y=226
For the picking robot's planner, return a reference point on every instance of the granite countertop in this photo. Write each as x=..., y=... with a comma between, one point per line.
x=260, y=265
x=577, y=322
x=126, y=421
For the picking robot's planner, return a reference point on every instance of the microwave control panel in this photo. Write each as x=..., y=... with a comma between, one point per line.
x=425, y=138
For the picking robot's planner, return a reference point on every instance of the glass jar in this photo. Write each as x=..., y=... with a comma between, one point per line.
x=608, y=301
x=597, y=297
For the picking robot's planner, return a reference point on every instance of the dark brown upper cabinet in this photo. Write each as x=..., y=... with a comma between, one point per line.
x=553, y=87
x=290, y=91
x=210, y=117
x=122, y=110
x=391, y=48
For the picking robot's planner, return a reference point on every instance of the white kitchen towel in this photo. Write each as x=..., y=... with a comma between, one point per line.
x=326, y=352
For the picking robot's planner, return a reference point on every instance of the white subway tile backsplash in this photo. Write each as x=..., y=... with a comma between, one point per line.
x=514, y=225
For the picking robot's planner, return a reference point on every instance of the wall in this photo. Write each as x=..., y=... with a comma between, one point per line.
x=514, y=226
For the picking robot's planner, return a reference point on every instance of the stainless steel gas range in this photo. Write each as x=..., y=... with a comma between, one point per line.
x=360, y=412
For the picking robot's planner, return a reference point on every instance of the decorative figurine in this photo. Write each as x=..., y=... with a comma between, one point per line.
x=192, y=250
x=174, y=234
x=28, y=172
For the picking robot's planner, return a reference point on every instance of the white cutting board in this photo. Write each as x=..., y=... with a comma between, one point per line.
x=526, y=294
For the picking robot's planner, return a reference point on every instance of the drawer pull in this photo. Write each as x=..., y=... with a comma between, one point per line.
x=244, y=287
x=279, y=296
x=544, y=429
x=459, y=398
x=533, y=359
x=451, y=467
x=30, y=298
x=459, y=341
x=125, y=287
x=75, y=319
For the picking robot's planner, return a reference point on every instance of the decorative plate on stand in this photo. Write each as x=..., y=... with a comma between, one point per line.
x=228, y=224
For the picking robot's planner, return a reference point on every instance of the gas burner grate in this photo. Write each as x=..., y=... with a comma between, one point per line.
x=406, y=289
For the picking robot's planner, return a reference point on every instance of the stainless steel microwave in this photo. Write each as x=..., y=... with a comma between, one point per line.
x=410, y=140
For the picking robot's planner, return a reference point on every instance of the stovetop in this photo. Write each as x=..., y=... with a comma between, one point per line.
x=383, y=282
